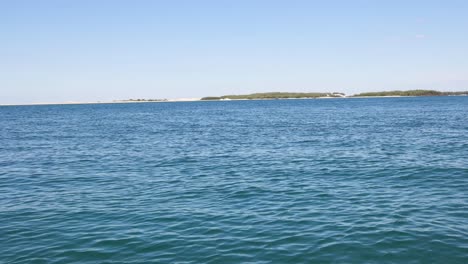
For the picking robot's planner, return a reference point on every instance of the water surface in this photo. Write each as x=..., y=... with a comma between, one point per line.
x=378, y=180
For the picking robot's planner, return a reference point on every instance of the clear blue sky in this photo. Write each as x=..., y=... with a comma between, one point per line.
x=56, y=51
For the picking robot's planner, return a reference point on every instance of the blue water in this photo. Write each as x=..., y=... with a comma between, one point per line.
x=282, y=181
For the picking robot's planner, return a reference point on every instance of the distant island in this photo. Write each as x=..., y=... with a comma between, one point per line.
x=285, y=95
x=275, y=95
x=272, y=96
x=410, y=93
x=288, y=95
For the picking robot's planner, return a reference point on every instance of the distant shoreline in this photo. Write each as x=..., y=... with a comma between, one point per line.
x=200, y=100
x=308, y=95
x=101, y=102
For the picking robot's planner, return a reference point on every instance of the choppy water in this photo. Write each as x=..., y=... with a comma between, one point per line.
x=285, y=181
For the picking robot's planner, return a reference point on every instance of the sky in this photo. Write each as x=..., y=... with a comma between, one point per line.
x=98, y=50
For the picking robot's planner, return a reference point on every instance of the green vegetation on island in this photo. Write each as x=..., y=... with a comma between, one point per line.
x=286, y=95
x=274, y=95
x=411, y=93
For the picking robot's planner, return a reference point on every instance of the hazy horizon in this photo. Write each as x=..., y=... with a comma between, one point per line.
x=86, y=51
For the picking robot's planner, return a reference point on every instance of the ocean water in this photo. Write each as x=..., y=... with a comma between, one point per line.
x=377, y=180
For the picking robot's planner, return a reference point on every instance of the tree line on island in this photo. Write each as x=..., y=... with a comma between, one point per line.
x=286, y=95
x=276, y=95
x=280, y=95
x=412, y=93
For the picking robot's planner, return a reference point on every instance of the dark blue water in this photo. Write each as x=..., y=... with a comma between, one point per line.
x=283, y=181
